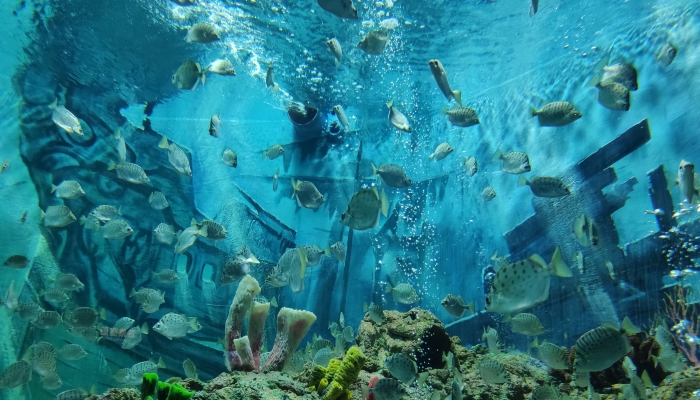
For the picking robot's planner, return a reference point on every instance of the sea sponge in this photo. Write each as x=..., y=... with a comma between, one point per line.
x=333, y=366
x=256, y=328
x=148, y=385
x=247, y=289
x=345, y=374
x=163, y=390
x=244, y=352
x=177, y=392
x=316, y=375
x=292, y=326
x=322, y=386
x=334, y=391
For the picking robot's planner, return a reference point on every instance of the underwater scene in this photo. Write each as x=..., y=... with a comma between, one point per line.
x=336, y=199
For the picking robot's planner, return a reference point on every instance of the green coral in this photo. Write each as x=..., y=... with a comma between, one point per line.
x=163, y=390
x=148, y=385
x=332, y=368
x=345, y=375
x=177, y=392
x=322, y=385
x=316, y=375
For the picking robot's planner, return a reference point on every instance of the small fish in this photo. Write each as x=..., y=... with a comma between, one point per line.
x=230, y=158
x=657, y=211
x=462, y=117
x=545, y=186
x=83, y=317
x=552, y=355
x=146, y=367
x=190, y=369
x=165, y=233
x=273, y=152
x=559, y=113
x=363, y=210
x=16, y=374
x=55, y=296
x=166, y=277
x=275, y=179
x=376, y=313
x=471, y=166
x=338, y=250
x=340, y=8
x=189, y=236
x=16, y=262
x=158, y=201
x=488, y=194
x=580, y=262
x=403, y=368
x=545, y=392
x=270, y=79
x=295, y=364
x=526, y=324
x=374, y=42
x=277, y=277
x=686, y=181
x=143, y=294
x=234, y=269
x=624, y=74
x=215, y=125
x=124, y=323
x=586, y=231
x=202, y=33
x=493, y=371
x=121, y=145
x=11, y=299
x=525, y=283
x=388, y=389
x=339, y=112
x=342, y=320
x=188, y=76
x=28, y=311
x=248, y=255
x=129, y=172
x=120, y=375
x=443, y=150
x=72, y=352
x=177, y=158
x=611, y=270
x=65, y=120
x=348, y=334
x=600, y=348
x=323, y=357
x=440, y=76
x=47, y=320
x=667, y=54
x=5, y=165
x=51, y=381
x=152, y=302
x=397, y=118
x=173, y=325
x=307, y=195
x=133, y=336
x=393, y=175
x=403, y=293
x=336, y=50
x=221, y=67
x=456, y=306
x=57, y=216
x=614, y=96
x=67, y=190
x=116, y=229
x=514, y=162
x=105, y=213
x=534, y=4
x=215, y=231
x=68, y=282
x=23, y=218
x=314, y=254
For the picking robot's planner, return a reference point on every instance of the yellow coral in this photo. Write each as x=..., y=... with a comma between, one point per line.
x=322, y=386
x=316, y=376
x=332, y=368
x=346, y=374
x=334, y=391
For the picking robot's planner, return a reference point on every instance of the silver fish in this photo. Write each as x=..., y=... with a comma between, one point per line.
x=488, y=194
x=68, y=282
x=129, y=172
x=336, y=50
x=202, y=33
x=545, y=186
x=462, y=117
x=165, y=276
x=471, y=166
x=403, y=293
x=58, y=216
x=586, y=231
x=273, y=152
x=363, y=210
x=177, y=158
x=338, y=250
x=526, y=324
x=493, y=371
x=552, y=355
x=215, y=125
x=456, y=306
x=173, y=325
x=72, y=352
x=403, y=368
x=152, y=302
x=393, y=175
x=133, y=336
x=90, y=223
x=441, y=151
x=190, y=369
x=667, y=54
x=275, y=179
x=188, y=76
x=514, y=162
x=124, y=323
x=374, y=42
x=67, y=190
x=158, y=201
x=339, y=8
x=116, y=229
x=105, y=213
x=559, y=113
x=230, y=158
x=221, y=67
x=388, y=389
x=397, y=118
x=339, y=112
x=686, y=181
x=270, y=79
x=441, y=78
x=600, y=348
x=143, y=294
x=165, y=233
x=65, y=120
x=307, y=195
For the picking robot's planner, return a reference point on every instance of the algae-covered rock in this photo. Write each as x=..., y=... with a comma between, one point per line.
x=680, y=385
x=254, y=386
x=118, y=394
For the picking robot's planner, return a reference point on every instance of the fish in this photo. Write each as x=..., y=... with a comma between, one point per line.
x=273, y=152
x=376, y=313
x=57, y=216
x=614, y=96
x=83, y=317
x=75, y=394
x=491, y=337
x=142, y=294
x=403, y=368
x=493, y=371
x=116, y=229
x=187, y=238
x=202, y=32
x=580, y=262
x=129, y=172
x=513, y=162
x=124, y=323
x=177, y=158
x=552, y=355
x=166, y=276
x=105, y=213
x=559, y=113
x=600, y=348
x=323, y=357
x=488, y=194
x=393, y=175
x=66, y=120
x=526, y=324
x=270, y=79
x=525, y=283
x=165, y=233
x=611, y=270
x=456, y=306
x=90, y=223
x=534, y=4
x=247, y=254
x=397, y=118
x=339, y=112
x=173, y=325
x=440, y=76
x=277, y=277
x=656, y=211
x=120, y=375
x=336, y=50
x=152, y=302
x=23, y=218
x=72, y=352
x=340, y=8
x=68, y=282
x=295, y=364
x=545, y=392
x=624, y=74
x=11, y=299
x=230, y=158
x=443, y=150
x=67, y=190
x=221, y=67
x=5, y=165
x=336, y=332
x=158, y=201
x=314, y=254
x=462, y=117
x=456, y=392
x=55, y=296
x=586, y=231
x=188, y=76
x=137, y=370
x=190, y=369
x=342, y=320
x=292, y=266
x=234, y=269
x=338, y=250
x=545, y=186
x=471, y=166
x=375, y=42
x=686, y=181
x=388, y=389
x=403, y=293
x=215, y=126
x=16, y=374
x=670, y=361
x=133, y=336
x=121, y=145
x=363, y=210
x=307, y=195
x=348, y=334
x=275, y=179
x=16, y=262
x=42, y=357
x=28, y=311
x=215, y=231
x=51, y=381
x=667, y=54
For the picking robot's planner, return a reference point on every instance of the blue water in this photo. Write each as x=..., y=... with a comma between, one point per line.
x=110, y=63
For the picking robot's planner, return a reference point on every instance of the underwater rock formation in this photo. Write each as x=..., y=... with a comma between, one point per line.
x=680, y=385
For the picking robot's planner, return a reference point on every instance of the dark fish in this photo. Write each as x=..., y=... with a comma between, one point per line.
x=374, y=42
x=339, y=8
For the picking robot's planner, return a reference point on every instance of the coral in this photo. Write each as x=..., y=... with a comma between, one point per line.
x=317, y=374
x=177, y=392
x=256, y=328
x=340, y=375
x=292, y=326
x=163, y=390
x=247, y=289
x=679, y=312
x=680, y=385
x=148, y=385
x=254, y=386
x=244, y=353
x=333, y=366
x=117, y=394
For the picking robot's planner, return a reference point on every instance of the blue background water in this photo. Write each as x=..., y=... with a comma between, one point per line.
x=113, y=57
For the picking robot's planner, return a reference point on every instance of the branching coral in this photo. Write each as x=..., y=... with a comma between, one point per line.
x=686, y=316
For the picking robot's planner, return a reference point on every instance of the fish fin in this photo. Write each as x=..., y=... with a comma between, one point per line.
x=53, y=188
x=506, y=317
x=365, y=307
x=497, y=155
x=422, y=377
x=647, y=380
x=327, y=250
x=536, y=343
x=602, y=64
x=118, y=134
x=390, y=103
x=82, y=220
x=111, y=165
x=533, y=112
x=388, y=288
x=193, y=324
x=161, y=364
x=119, y=210
x=374, y=169
x=522, y=180
x=302, y=259
x=337, y=62
x=471, y=308
x=629, y=327
x=595, y=81
x=294, y=187
x=458, y=96
x=102, y=314
x=655, y=359
x=144, y=329
x=133, y=293
x=578, y=225
x=193, y=222
x=264, y=154
x=273, y=302
x=163, y=143
x=253, y=259
x=193, y=89
x=431, y=156
x=277, y=171
x=150, y=197
x=204, y=231
x=385, y=203
x=558, y=267
x=444, y=110
x=532, y=10
x=53, y=105
x=204, y=77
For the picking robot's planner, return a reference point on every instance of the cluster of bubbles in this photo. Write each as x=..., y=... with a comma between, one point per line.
x=681, y=249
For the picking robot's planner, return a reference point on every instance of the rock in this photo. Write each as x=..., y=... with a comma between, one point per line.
x=680, y=385
x=118, y=394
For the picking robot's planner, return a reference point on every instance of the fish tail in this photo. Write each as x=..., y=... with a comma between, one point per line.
x=497, y=155
x=53, y=188
x=558, y=267
x=422, y=377
x=264, y=154
x=277, y=171
x=390, y=103
x=374, y=169
x=161, y=364
x=302, y=258
x=144, y=328
x=273, y=302
x=103, y=315
x=595, y=81
x=365, y=307
x=204, y=231
x=506, y=317
x=82, y=220
x=111, y=165
x=337, y=63
x=150, y=197
x=535, y=344
x=327, y=251
x=522, y=180
x=629, y=327
x=458, y=96
x=471, y=308
x=444, y=110
x=163, y=143
x=118, y=134
x=533, y=111
x=431, y=156
x=385, y=203
x=388, y=288
x=253, y=259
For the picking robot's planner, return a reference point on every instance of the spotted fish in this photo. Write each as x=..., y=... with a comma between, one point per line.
x=393, y=175
x=403, y=293
x=493, y=371
x=558, y=113
x=57, y=216
x=545, y=186
x=177, y=158
x=363, y=210
x=397, y=118
x=129, y=172
x=376, y=313
x=526, y=324
x=462, y=117
x=552, y=355
x=513, y=162
x=440, y=76
x=403, y=368
x=456, y=306
x=600, y=348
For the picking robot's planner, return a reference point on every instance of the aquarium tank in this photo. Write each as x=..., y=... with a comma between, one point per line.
x=335, y=199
